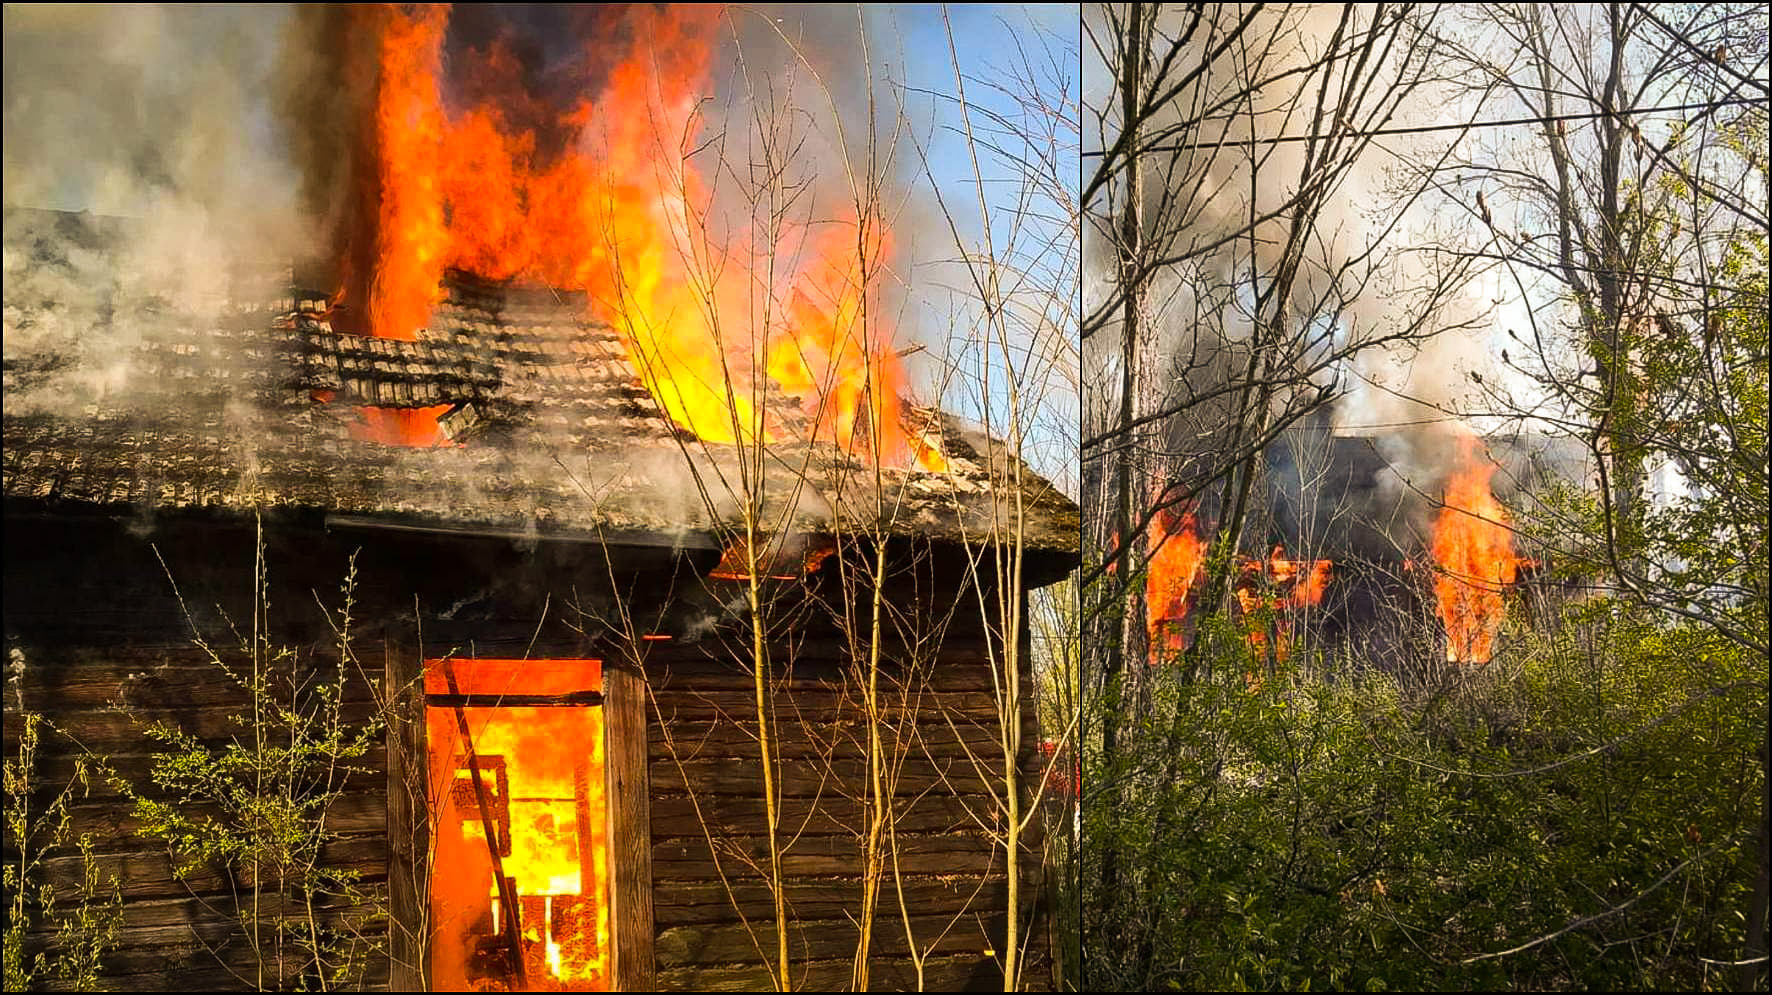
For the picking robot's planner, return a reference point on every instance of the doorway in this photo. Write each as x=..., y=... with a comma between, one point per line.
x=519, y=887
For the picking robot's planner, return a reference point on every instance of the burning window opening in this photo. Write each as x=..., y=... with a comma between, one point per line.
x=520, y=875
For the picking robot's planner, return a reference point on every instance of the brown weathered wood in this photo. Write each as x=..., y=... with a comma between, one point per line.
x=729, y=943
x=212, y=725
x=704, y=705
x=219, y=928
x=144, y=913
x=845, y=737
x=806, y=777
x=409, y=823
x=628, y=795
x=178, y=677
x=964, y=973
x=810, y=660
x=359, y=811
x=818, y=856
x=147, y=872
x=689, y=903
x=56, y=770
x=683, y=815
x=188, y=967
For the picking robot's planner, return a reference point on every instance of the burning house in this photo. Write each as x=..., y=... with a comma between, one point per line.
x=542, y=615
x=502, y=390
x=1370, y=538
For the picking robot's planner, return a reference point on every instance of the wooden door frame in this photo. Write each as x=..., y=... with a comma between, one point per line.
x=629, y=840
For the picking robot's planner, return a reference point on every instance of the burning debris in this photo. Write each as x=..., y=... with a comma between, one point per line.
x=1262, y=586
x=519, y=890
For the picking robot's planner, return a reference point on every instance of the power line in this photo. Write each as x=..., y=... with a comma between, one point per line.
x=1430, y=128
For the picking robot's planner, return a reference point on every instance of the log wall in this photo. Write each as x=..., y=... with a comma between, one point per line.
x=107, y=650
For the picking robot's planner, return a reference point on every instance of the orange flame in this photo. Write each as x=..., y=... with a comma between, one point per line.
x=1261, y=582
x=1475, y=552
x=1308, y=579
x=623, y=214
x=400, y=426
x=554, y=803
x=1176, y=555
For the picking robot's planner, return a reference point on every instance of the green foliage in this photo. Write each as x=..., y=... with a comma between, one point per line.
x=84, y=930
x=1590, y=799
x=255, y=809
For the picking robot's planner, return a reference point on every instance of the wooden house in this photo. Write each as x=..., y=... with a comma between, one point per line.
x=556, y=579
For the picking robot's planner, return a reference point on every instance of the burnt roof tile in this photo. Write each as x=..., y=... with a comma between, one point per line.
x=221, y=416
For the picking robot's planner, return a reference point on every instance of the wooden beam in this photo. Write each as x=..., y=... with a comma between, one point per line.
x=571, y=699
x=409, y=822
x=630, y=826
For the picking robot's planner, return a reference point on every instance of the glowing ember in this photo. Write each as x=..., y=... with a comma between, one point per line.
x=1176, y=555
x=735, y=565
x=400, y=426
x=1475, y=552
x=777, y=560
x=466, y=183
x=542, y=771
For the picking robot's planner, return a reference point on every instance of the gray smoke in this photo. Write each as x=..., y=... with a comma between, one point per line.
x=152, y=119
x=1359, y=282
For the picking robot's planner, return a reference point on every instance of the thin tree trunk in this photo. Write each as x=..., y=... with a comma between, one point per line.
x=1125, y=493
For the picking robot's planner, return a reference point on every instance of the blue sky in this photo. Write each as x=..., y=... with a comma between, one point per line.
x=985, y=46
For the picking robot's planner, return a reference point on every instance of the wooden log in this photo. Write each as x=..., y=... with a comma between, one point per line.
x=148, y=872
x=688, y=859
x=228, y=928
x=361, y=811
x=846, y=737
x=815, y=940
x=190, y=968
x=830, y=815
x=804, y=777
x=688, y=903
x=79, y=680
x=144, y=914
x=962, y=973
x=55, y=771
x=819, y=703
x=125, y=731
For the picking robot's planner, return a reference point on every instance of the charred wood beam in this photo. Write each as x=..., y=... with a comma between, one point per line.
x=570, y=699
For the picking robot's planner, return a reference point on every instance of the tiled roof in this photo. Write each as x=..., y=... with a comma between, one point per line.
x=550, y=427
